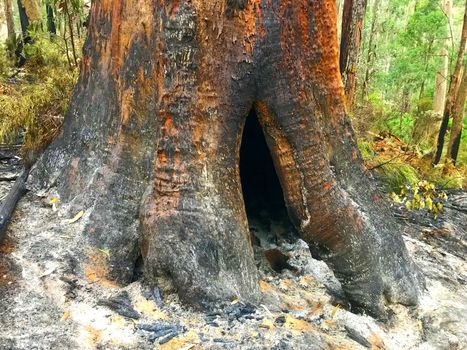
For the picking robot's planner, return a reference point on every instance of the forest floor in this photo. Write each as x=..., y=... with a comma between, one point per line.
x=44, y=305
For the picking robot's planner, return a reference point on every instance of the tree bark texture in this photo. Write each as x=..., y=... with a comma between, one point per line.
x=457, y=120
x=152, y=137
x=9, y=18
x=452, y=93
x=351, y=37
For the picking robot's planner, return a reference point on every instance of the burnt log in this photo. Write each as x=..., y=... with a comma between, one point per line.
x=11, y=200
x=151, y=146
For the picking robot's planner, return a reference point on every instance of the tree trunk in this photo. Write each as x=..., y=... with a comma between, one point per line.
x=50, y=20
x=23, y=18
x=457, y=120
x=441, y=79
x=439, y=98
x=151, y=144
x=9, y=19
x=453, y=87
x=351, y=36
x=371, y=53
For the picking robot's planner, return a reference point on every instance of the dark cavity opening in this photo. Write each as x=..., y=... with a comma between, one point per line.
x=262, y=192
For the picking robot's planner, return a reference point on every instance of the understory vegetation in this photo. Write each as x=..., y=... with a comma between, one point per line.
x=33, y=101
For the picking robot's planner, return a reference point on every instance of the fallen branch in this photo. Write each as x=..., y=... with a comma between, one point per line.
x=8, y=206
x=9, y=178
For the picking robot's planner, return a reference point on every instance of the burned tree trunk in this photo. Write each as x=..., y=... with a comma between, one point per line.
x=457, y=120
x=152, y=137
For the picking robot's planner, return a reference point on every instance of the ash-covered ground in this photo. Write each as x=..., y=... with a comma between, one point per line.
x=45, y=305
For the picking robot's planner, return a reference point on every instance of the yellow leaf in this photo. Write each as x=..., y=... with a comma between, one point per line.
x=148, y=307
x=267, y=324
x=54, y=200
x=395, y=197
x=235, y=301
x=334, y=310
x=66, y=314
x=105, y=252
x=429, y=203
x=297, y=325
x=76, y=217
x=408, y=205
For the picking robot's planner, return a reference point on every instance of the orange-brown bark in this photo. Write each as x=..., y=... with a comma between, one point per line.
x=152, y=143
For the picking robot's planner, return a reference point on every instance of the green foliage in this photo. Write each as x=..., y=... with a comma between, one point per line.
x=421, y=196
x=396, y=174
x=401, y=126
x=6, y=62
x=366, y=149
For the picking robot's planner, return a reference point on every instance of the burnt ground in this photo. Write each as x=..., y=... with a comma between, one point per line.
x=45, y=305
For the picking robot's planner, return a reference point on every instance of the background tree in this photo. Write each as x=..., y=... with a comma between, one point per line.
x=8, y=10
x=371, y=48
x=457, y=120
x=439, y=98
x=350, y=42
x=453, y=88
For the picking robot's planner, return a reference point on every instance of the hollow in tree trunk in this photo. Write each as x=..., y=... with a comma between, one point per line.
x=151, y=145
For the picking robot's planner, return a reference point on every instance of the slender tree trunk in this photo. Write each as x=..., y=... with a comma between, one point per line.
x=351, y=36
x=9, y=19
x=340, y=6
x=69, y=19
x=453, y=87
x=439, y=98
x=23, y=18
x=441, y=80
x=457, y=120
x=151, y=143
x=50, y=20
x=371, y=53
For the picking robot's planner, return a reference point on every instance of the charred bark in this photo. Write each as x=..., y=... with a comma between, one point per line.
x=457, y=120
x=152, y=138
x=50, y=20
x=9, y=203
x=23, y=18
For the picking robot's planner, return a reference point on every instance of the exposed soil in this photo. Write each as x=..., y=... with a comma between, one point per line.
x=44, y=304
